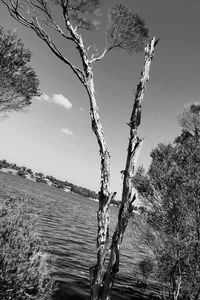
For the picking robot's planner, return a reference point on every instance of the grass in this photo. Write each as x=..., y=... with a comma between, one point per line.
x=25, y=266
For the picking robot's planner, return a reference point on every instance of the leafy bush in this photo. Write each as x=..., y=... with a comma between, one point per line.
x=21, y=173
x=25, y=271
x=146, y=267
x=171, y=191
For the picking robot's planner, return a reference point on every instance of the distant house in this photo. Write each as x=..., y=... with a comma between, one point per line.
x=47, y=181
x=30, y=177
x=67, y=189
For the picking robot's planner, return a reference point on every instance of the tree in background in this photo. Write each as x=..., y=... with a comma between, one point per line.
x=124, y=30
x=18, y=81
x=190, y=119
x=171, y=192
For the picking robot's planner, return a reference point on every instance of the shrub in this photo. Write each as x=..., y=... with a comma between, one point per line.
x=21, y=173
x=146, y=267
x=25, y=271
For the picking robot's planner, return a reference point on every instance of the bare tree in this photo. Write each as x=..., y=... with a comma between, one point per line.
x=124, y=30
x=18, y=81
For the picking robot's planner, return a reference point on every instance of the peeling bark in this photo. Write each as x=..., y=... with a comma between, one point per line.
x=129, y=194
x=97, y=271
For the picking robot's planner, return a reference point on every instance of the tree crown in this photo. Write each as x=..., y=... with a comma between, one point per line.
x=18, y=81
x=190, y=119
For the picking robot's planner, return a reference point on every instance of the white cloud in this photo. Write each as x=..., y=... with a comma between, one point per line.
x=56, y=98
x=61, y=100
x=81, y=109
x=67, y=131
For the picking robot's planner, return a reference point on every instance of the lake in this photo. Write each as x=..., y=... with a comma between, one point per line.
x=68, y=224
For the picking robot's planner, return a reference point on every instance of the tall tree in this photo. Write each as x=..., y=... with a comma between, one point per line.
x=127, y=31
x=190, y=118
x=18, y=80
x=171, y=191
x=129, y=193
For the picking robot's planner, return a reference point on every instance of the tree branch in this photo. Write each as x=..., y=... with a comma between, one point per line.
x=100, y=57
x=34, y=24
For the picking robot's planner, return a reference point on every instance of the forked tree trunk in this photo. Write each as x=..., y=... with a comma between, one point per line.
x=102, y=276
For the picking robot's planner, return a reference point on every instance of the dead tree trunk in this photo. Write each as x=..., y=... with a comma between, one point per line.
x=129, y=194
x=97, y=271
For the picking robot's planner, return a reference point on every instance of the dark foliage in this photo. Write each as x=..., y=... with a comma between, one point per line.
x=81, y=12
x=146, y=266
x=126, y=30
x=171, y=192
x=25, y=270
x=18, y=81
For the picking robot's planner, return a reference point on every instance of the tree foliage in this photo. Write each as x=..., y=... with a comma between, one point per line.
x=190, y=118
x=81, y=12
x=171, y=191
x=146, y=266
x=126, y=29
x=18, y=81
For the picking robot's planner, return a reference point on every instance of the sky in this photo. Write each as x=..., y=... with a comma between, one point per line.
x=54, y=135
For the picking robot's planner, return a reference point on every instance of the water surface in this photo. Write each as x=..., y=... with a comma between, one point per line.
x=68, y=223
